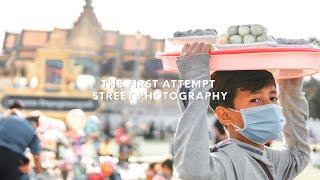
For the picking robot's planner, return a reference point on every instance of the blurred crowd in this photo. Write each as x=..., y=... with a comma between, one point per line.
x=41, y=148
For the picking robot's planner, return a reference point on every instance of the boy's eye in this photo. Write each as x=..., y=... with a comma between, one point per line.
x=274, y=99
x=255, y=100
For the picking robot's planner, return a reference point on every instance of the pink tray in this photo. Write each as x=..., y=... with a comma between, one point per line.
x=284, y=63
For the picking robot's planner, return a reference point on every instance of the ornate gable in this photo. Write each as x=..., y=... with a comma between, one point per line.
x=87, y=32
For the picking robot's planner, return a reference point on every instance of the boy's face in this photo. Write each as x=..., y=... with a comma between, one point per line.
x=244, y=100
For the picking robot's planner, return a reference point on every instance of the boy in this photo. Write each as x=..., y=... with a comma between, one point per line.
x=252, y=116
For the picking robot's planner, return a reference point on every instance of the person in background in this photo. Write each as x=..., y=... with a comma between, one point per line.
x=151, y=171
x=14, y=108
x=24, y=167
x=152, y=128
x=105, y=147
x=124, y=153
x=107, y=128
x=16, y=135
x=120, y=132
x=24, y=161
x=166, y=170
x=34, y=121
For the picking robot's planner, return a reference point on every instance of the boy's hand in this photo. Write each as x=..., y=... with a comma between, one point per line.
x=290, y=85
x=195, y=48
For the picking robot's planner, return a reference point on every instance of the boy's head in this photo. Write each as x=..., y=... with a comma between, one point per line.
x=245, y=89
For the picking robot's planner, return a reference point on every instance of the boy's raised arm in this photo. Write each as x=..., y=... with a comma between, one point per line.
x=291, y=161
x=191, y=141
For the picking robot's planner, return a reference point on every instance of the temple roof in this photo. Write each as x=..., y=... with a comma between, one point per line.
x=30, y=38
x=86, y=34
x=10, y=40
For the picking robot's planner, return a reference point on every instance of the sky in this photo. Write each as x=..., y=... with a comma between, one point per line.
x=160, y=19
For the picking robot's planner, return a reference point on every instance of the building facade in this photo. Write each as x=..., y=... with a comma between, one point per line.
x=90, y=48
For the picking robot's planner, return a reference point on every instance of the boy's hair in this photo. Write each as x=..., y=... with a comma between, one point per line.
x=232, y=81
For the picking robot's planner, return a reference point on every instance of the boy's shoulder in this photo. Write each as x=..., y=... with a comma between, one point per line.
x=220, y=145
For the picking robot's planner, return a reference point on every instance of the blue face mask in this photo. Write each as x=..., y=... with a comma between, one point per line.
x=262, y=123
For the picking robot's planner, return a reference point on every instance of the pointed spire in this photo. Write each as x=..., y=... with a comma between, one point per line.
x=87, y=31
x=88, y=2
x=88, y=13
